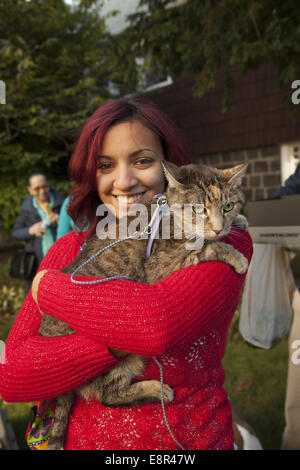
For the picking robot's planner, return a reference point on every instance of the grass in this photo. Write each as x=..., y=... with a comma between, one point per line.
x=18, y=413
x=255, y=382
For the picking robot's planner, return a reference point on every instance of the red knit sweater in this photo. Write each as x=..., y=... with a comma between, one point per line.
x=182, y=320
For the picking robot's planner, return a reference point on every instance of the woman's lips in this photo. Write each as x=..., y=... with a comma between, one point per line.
x=129, y=199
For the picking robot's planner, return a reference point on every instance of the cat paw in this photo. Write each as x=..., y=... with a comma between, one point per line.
x=240, y=222
x=168, y=393
x=54, y=447
x=241, y=265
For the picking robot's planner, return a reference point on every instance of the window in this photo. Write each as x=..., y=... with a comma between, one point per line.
x=151, y=78
x=290, y=158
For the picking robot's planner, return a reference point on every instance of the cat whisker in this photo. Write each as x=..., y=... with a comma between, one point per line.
x=236, y=232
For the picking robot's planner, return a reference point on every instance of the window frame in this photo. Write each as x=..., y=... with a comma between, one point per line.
x=289, y=159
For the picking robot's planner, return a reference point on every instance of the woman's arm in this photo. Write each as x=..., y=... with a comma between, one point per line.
x=148, y=319
x=38, y=368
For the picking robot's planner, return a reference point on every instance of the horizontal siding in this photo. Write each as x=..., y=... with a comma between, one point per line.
x=259, y=118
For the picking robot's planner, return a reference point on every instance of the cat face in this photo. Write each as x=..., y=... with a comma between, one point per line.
x=215, y=195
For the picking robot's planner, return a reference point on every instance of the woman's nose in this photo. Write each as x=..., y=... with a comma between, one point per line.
x=125, y=178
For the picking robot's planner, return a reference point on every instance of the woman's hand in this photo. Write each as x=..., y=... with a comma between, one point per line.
x=54, y=219
x=35, y=286
x=34, y=291
x=37, y=229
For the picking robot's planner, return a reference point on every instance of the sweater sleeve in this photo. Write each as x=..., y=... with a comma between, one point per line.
x=38, y=368
x=148, y=319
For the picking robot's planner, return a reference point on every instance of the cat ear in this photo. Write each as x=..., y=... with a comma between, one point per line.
x=235, y=174
x=170, y=171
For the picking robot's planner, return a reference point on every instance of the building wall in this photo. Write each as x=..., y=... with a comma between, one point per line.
x=254, y=130
x=263, y=176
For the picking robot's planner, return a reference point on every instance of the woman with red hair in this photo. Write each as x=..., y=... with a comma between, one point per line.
x=182, y=320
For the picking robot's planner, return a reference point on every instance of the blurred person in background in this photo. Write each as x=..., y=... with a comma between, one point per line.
x=38, y=218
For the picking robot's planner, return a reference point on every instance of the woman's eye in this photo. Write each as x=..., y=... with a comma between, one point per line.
x=228, y=207
x=108, y=165
x=143, y=161
x=104, y=166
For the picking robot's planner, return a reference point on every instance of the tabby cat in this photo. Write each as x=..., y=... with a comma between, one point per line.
x=220, y=193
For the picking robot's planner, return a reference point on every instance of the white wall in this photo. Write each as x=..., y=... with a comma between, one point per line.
x=125, y=7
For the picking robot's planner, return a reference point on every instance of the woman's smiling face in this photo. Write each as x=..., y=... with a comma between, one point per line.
x=129, y=166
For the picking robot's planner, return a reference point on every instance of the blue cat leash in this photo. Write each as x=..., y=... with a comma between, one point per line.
x=161, y=202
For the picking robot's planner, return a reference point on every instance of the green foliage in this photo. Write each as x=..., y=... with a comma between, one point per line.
x=19, y=416
x=204, y=37
x=256, y=383
x=11, y=299
x=59, y=64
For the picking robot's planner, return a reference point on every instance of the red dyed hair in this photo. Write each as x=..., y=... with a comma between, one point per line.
x=84, y=198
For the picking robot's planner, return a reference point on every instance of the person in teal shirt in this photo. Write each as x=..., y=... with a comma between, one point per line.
x=65, y=224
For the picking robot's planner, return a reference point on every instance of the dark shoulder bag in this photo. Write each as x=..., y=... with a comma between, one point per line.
x=23, y=265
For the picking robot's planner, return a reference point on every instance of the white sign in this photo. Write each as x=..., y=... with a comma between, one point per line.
x=284, y=236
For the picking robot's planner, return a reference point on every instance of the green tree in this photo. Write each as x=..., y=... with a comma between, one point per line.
x=205, y=36
x=59, y=63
